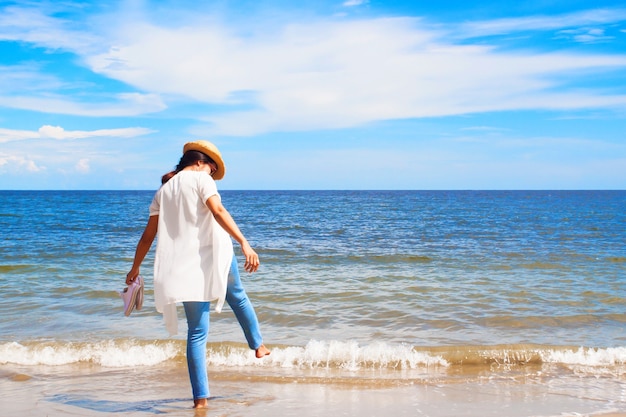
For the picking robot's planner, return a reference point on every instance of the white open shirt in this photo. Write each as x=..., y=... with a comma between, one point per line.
x=193, y=253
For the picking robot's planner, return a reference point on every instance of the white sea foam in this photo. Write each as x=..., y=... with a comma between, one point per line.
x=106, y=353
x=587, y=356
x=332, y=354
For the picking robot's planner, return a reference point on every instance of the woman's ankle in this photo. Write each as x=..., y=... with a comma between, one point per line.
x=201, y=403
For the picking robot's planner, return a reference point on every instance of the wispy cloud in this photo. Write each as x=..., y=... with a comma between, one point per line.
x=28, y=87
x=27, y=78
x=124, y=104
x=36, y=25
x=541, y=23
x=58, y=133
x=352, y=3
x=586, y=35
x=488, y=129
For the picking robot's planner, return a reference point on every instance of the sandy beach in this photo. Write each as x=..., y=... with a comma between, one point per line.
x=93, y=391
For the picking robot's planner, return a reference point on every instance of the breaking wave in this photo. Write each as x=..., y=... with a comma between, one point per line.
x=339, y=355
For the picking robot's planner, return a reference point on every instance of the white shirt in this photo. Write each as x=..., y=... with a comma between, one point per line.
x=193, y=253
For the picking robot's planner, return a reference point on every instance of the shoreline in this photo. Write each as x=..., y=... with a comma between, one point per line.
x=91, y=391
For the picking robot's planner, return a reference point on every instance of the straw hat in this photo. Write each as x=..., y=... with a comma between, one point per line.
x=211, y=151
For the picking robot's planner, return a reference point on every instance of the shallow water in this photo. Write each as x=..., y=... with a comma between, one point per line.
x=371, y=289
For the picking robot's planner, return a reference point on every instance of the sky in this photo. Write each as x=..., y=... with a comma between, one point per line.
x=347, y=94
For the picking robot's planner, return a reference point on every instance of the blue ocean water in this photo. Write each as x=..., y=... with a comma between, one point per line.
x=416, y=276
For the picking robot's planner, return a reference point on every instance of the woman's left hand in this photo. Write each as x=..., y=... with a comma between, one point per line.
x=225, y=220
x=252, y=259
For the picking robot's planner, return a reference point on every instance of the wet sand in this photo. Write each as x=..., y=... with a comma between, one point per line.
x=92, y=391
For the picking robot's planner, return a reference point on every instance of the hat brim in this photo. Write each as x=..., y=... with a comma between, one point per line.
x=212, y=152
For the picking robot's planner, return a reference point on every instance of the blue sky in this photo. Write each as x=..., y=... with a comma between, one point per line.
x=315, y=94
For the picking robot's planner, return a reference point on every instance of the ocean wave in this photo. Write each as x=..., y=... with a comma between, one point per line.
x=5, y=269
x=339, y=355
x=535, y=354
x=617, y=259
x=112, y=353
x=392, y=258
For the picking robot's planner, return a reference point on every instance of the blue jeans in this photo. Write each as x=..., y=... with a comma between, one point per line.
x=198, y=330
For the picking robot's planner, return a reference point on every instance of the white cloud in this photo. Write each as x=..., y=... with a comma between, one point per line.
x=326, y=74
x=19, y=163
x=58, y=133
x=334, y=74
x=82, y=165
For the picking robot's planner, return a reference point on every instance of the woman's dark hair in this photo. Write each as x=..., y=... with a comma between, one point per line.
x=188, y=158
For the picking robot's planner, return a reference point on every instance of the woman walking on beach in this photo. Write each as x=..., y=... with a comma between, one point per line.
x=194, y=261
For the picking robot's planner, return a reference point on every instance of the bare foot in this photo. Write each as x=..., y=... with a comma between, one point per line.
x=262, y=351
x=201, y=403
x=201, y=412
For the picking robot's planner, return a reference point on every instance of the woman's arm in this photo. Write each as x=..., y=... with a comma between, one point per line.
x=225, y=220
x=143, y=247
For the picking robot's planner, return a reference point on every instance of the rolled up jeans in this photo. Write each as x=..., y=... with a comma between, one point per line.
x=197, y=314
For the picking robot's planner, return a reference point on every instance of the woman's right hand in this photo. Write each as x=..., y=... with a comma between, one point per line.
x=132, y=276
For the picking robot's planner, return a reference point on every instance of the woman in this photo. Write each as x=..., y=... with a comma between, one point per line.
x=194, y=257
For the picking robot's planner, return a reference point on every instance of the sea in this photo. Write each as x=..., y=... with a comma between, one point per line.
x=417, y=303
